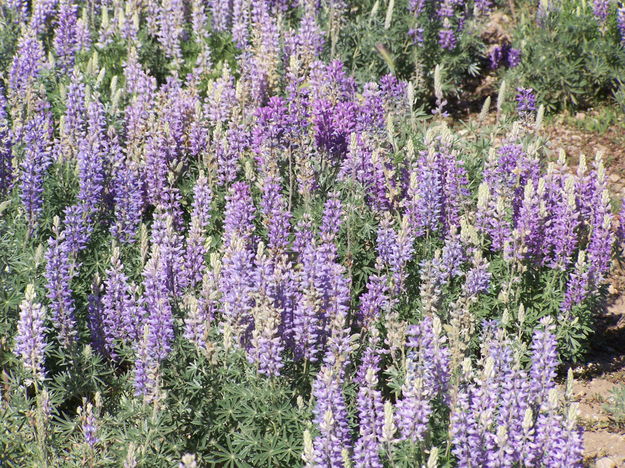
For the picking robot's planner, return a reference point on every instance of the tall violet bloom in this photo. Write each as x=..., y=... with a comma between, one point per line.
x=170, y=246
x=370, y=413
x=158, y=312
x=526, y=101
x=171, y=24
x=276, y=215
x=504, y=416
x=30, y=342
x=395, y=249
x=236, y=281
x=88, y=423
x=128, y=196
x=146, y=367
x=74, y=123
x=121, y=321
x=331, y=419
x=65, y=44
x=34, y=166
x=620, y=23
x=427, y=376
x=196, y=240
x=6, y=154
x=601, y=8
x=60, y=270
x=42, y=12
x=28, y=62
x=266, y=343
x=436, y=190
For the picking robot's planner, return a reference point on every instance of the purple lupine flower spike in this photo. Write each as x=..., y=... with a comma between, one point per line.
x=60, y=270
x=526, y=101
x=158, y=310
x=120, y=321
x=89, y=424
x=6, y=153
x=370, y=413
x=266, y=343
x=128, y=196
x=30, y=342
x=276, y=215
x=34, y=166
x=544, y=361
x=620, y=23
x=27, y=64
x=195, y=251
x=600, y=8
x=65, y=43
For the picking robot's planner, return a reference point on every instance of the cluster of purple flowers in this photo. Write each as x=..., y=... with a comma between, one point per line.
x=260, y=254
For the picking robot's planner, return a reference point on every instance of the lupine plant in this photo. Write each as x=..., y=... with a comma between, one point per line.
x=221, y=248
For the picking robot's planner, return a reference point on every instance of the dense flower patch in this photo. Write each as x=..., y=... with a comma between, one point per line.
x=217, y=242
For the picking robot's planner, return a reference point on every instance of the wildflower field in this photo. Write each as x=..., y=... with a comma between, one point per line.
x=320, y=233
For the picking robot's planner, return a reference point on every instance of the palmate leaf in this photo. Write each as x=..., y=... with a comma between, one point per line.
x=227, y=457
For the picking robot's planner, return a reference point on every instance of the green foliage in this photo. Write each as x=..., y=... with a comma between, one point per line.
x=370, y=49
x=568, y=58
x=615, y=406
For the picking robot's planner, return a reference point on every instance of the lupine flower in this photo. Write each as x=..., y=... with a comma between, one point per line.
x=478, y=278
x=514, y=57
x=526, y=101
x=266, y=343
x=427, y=375
x=395, y=249
x=374, y=301
x=620, y=22
x=170, y=245
x=544, y=361
x=447, y=37
x=436, y=191
x=20, y=7
x=331, y=419
x=370, y=413
x=239, y=214
x=561, y=229
x=601, y=239
x=146, y=367
x=30, y=342
x=195, y=249
x=483, y=6
x=236, y=286
x=65, y=44
x=158, y=311
x=88, y=424
x=74, y=124
x=171, y=19
x=120, y=315
x=558, y=440
x=28, y=62
x=496, y=56
x=600, y=9
x=60, y=270
x=366, y=165
x=202, y=311
x=276, y=215
x=34, y=166
x=128, y=196
x=6, y=154
x=90, y=158
x=307, y=43
x=493, y=423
